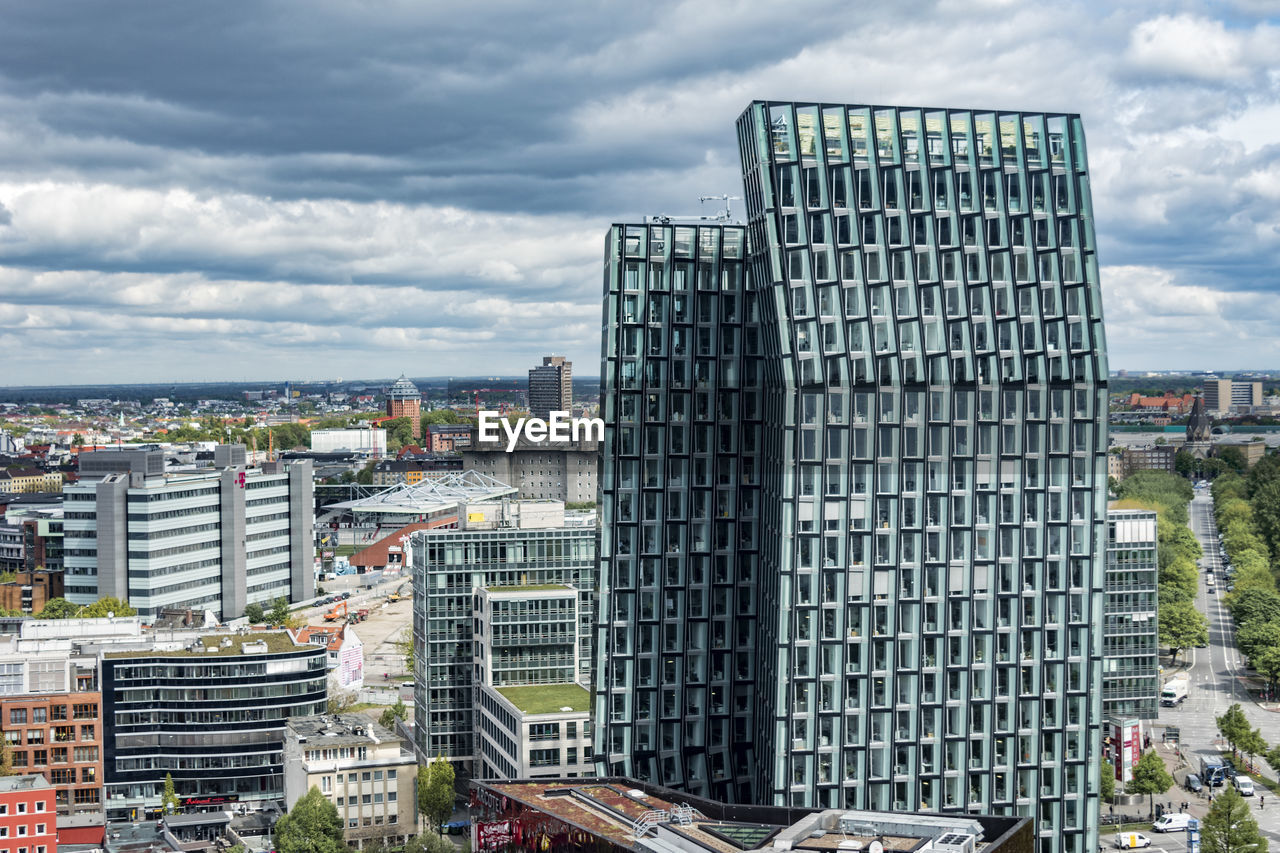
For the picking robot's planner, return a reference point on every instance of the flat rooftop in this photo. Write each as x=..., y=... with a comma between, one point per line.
x=339, y=730
x=547, y=698
x=30, y=782
x=212, y=646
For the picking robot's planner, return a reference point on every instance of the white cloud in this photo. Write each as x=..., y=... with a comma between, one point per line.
x=1201, y=48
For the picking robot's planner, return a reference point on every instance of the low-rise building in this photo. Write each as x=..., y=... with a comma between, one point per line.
x=445, y=438
x=344, y=652
x=28, y=823
x=609, y=815
x=362, y=768
x=30, y=480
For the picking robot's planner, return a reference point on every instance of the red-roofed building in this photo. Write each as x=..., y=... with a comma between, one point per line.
x=344, y=652
x=1170, y=404
x=388, y=553
x=409, y=450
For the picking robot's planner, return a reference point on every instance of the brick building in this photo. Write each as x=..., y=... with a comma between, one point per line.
x=30, y=591
x=28, y=823
x=404, y=401
x=59, y=736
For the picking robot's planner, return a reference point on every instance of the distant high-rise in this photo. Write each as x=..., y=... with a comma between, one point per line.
x=551, y=387
x=1222, y=396
x=853, y=501
x=404, y=401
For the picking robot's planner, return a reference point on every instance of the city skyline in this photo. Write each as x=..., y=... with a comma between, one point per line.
x=422, y=191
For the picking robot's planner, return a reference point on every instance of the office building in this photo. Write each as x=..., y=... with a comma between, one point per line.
x=1130, y=662
x=540, y=470
x=210, y=539
x=853, y=498
x=533, y=718
x=620, y=814
x=58, y=735
x=360, y=767
x=1224, y=396
x=551, y=387
x=366, y=442
x=404, y=401
x=501, y=544
x=27, y=820
x=211, y=712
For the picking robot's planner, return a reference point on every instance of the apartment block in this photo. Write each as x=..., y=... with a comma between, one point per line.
x=360, y=767
x=27, y=820
x=59, y=736
x=853, y=494
x=212, y=539
x=551, y=387
x=1130, y=662
x=516, y=546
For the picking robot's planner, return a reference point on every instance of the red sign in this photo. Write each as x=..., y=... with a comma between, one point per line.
x=490, y=836
x=210, y=801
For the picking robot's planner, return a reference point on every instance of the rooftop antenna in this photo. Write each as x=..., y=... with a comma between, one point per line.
x=725, y=215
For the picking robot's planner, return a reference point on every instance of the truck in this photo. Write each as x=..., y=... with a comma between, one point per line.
x=1175, y=691
x=1212, y=771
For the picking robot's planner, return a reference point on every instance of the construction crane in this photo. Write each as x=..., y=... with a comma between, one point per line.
x=725, y=215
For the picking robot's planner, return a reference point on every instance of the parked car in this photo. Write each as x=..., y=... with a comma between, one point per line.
x=1244, y=785
x=346, y=595
x=1193, y=783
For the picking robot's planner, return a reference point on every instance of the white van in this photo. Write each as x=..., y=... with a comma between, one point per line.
x=1172, y=822
x=1244, y=785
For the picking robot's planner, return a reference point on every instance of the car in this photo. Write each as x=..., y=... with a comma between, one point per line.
x=1193, y=783
x=1170, y=822
x=345, y=596
x=407, y=685
x=1132, y=841
x=1244, y=785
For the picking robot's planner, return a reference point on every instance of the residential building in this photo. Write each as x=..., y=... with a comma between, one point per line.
x=500, y=543
x=27, y=819
x=551, y=387
x=208, y=710
x=42, y=538
x=447, y=438
x=360, y=767
x=1224, y=396
x=30, y=591
x=391, y=472
x=1168, y=404
x=1130, y=662
x=207, y=539
x=1153, y=457
x=58, y=735
x=369, y=442
x=558, y=472
x=30, y=480
x=615, y=814
x=404, y=401
x=853, y=494
x=533, y=718
x=344, y=651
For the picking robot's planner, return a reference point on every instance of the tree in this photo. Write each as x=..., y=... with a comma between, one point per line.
x=1273, y=757
x=1267, y=663
x=365, y=477
x=1184, y=463
x=311, y=826
x=1251, y=744
x=1233, y=458
x=404, y=647
x=1150, y=777
x=106, y=606
x=340, y=700
x=1256, y=605
x=394, y=713
x=169, y=799
x=1107, y=786
x=435, y=791
x=58, y=608
x=254, y=613
x=440, y=416
x=1229, y=826
x=6, y=759
x=279, y=614
x=1233, y=726
x=1181, y=626
x=1254, y=638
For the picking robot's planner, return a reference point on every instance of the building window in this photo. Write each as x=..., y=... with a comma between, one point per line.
x=17, y=716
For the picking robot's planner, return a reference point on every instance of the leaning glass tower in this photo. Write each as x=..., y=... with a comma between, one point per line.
x=912, y=573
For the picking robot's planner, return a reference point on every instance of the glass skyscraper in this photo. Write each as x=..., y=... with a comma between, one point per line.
x=853, y=495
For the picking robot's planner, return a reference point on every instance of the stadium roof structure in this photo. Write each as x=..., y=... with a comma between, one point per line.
x=433, y=494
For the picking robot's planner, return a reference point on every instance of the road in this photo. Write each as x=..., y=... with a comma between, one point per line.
x=1216, y=674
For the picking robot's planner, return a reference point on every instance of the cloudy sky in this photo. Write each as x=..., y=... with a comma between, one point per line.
x=318, y=189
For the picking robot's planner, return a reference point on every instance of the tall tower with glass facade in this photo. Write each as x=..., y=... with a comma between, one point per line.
x=906, y=476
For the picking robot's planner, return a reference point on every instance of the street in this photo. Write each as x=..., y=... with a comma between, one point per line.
x=1216, y=676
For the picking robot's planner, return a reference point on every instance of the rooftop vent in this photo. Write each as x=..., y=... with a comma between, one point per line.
x=956, y=842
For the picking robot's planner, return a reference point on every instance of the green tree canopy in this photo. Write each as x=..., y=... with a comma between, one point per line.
x=1233, y=458
x=279, y=614
x=1233, y=726
x=106, y=606
x=1150, y=777
x=311, y=826
x=1253, y=638
x=441, y=416
x=1256, y=605
x=1181, y=626
x=169, y=799
x=1267, y=663
x=393, y=714
x=1229, y=826
x=58, y=608
x=1107, y=782
x=435, y=791
x=254, y=613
